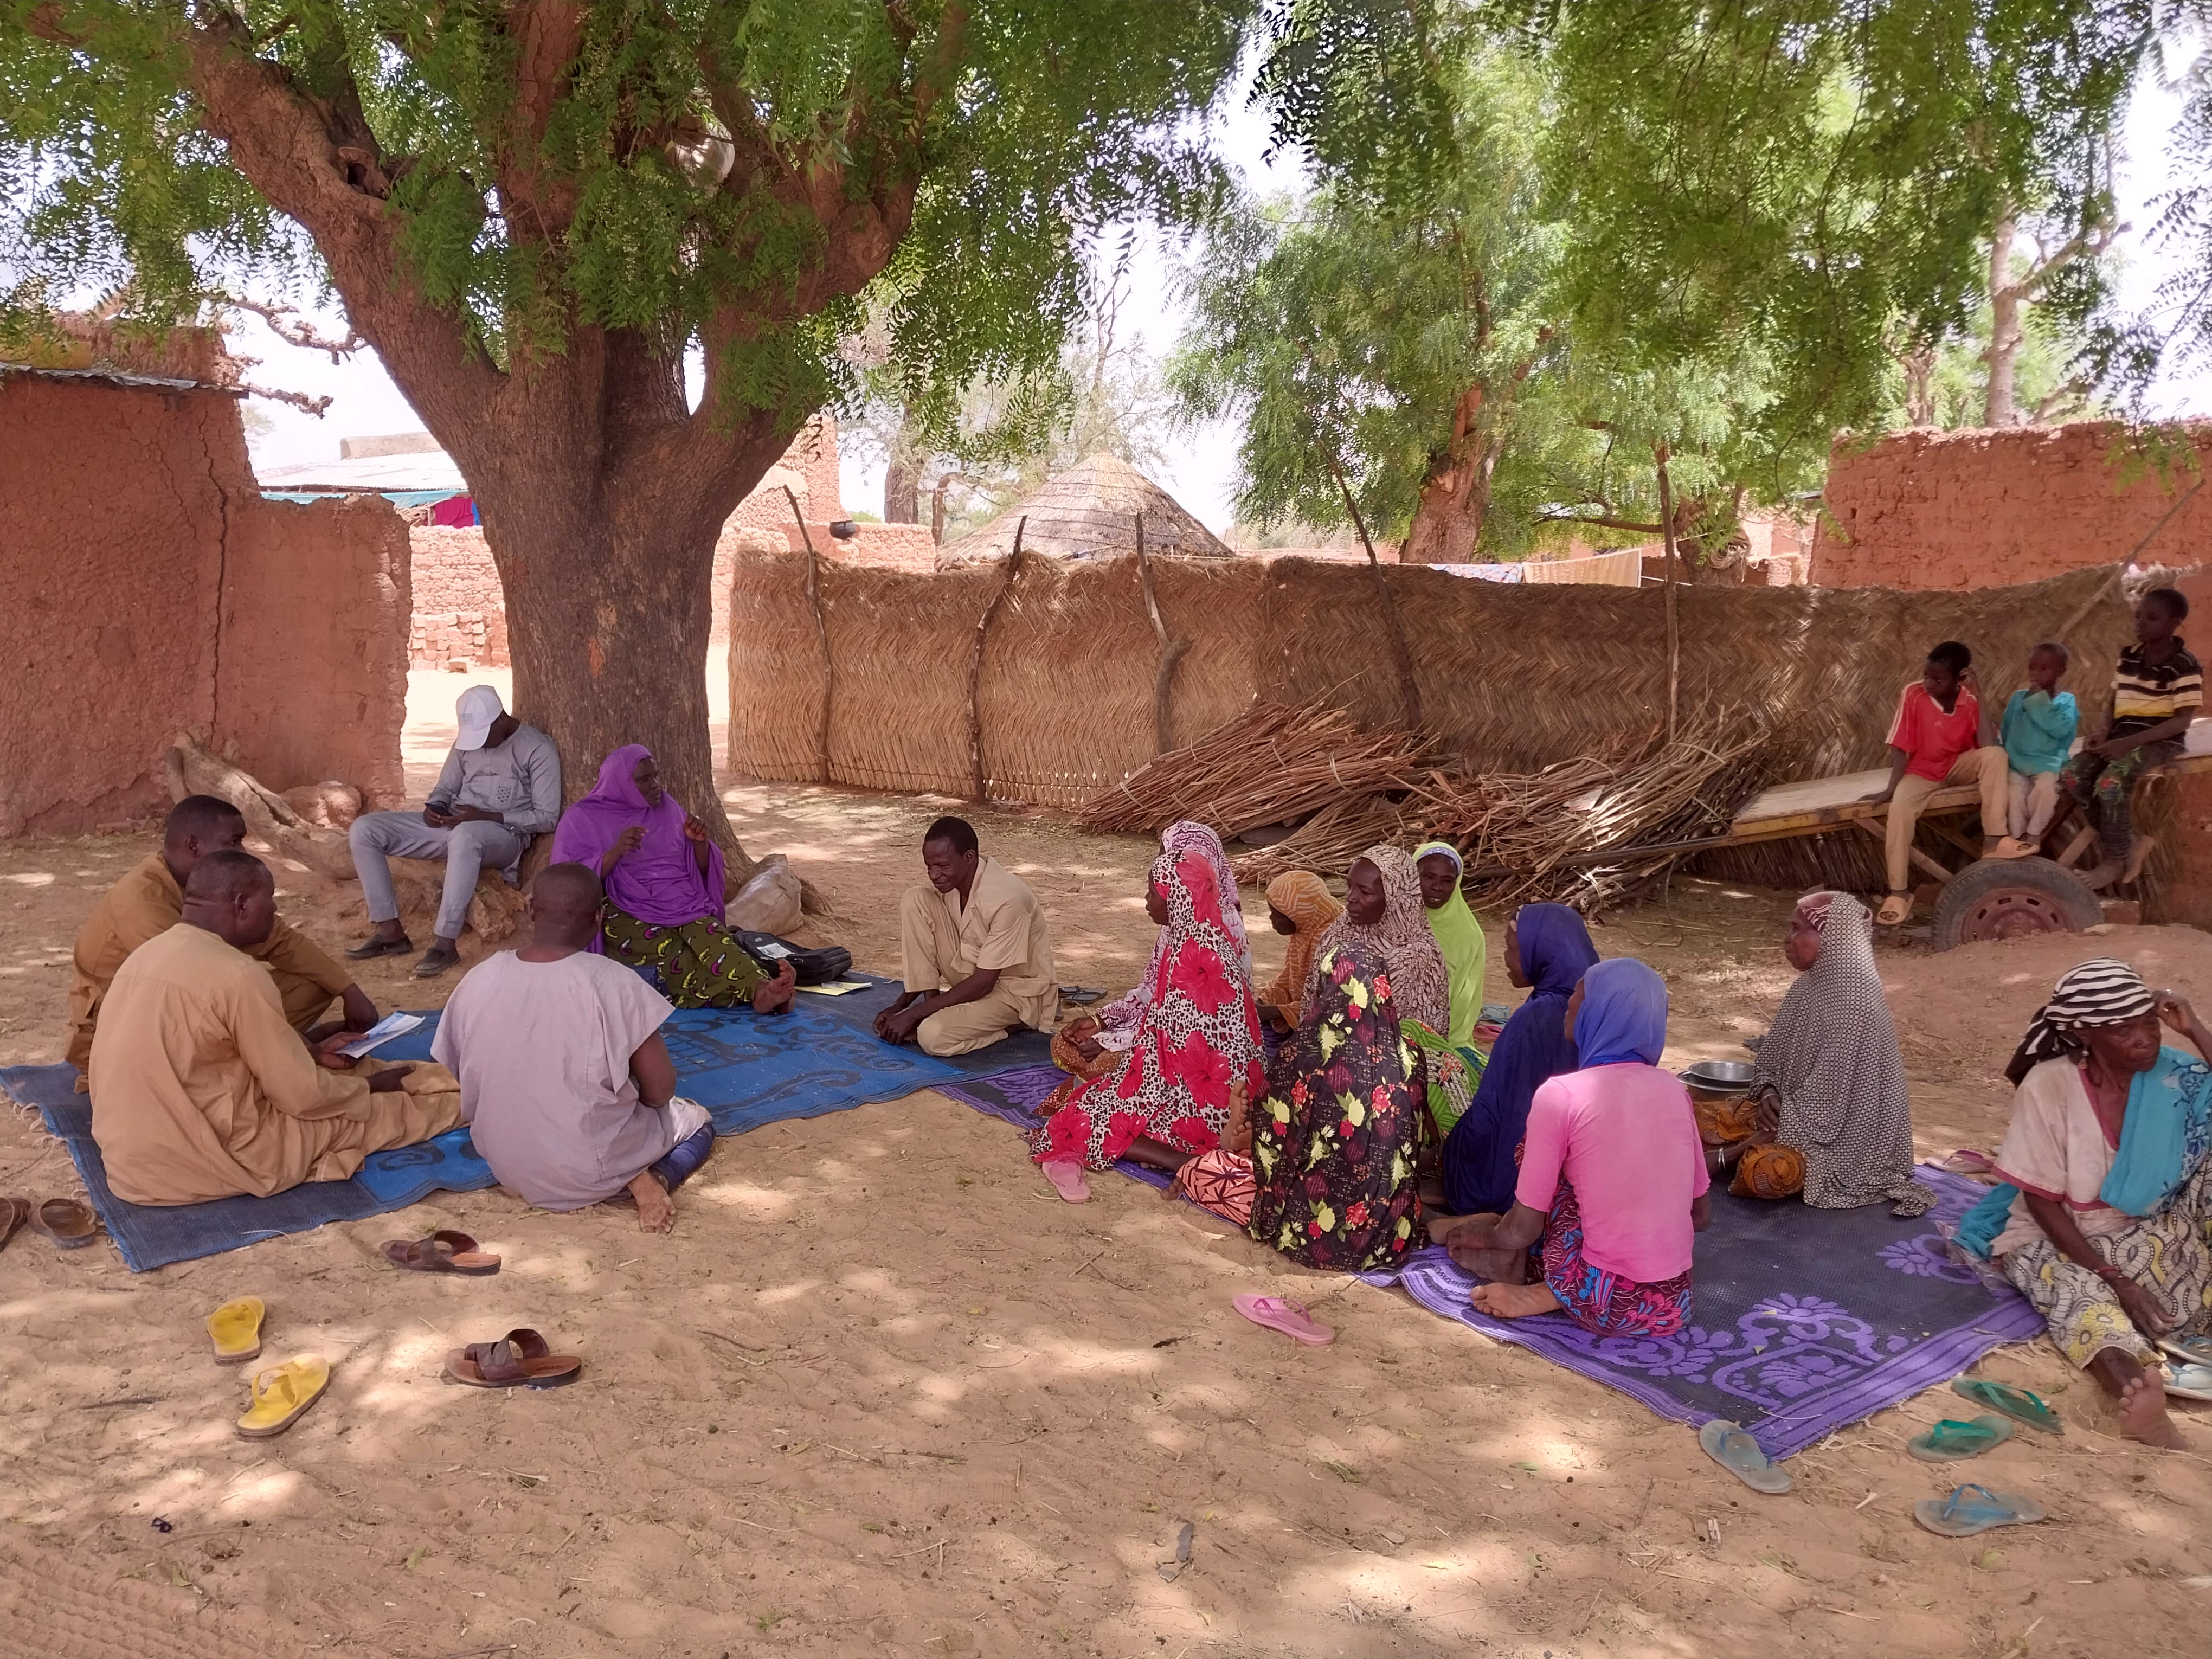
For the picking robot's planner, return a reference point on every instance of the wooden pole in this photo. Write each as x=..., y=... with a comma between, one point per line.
x=1172, y=651
x=821, y=631
x=976, y=663
x=1409, y=687
x=1674, y=581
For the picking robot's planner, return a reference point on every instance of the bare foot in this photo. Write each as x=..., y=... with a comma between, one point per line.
x=1486, y=1261
x=773, y=996
x=1514, y=1301
x=2138, y=856
x=2103, y=876
x=1441, y=1227
x=2142, y=1414
x=656, y=1210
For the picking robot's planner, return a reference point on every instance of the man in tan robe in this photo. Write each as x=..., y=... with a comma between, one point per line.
x=201, y=1088
x=975, y=956
x=150, y=901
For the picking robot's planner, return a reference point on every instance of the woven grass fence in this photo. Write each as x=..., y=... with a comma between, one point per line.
x=1511, y=678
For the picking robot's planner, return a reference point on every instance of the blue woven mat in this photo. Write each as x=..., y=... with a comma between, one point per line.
x=822, y=1057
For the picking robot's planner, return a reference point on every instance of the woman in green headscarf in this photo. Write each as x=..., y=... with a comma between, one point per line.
x=1455, y=1063
x=1459, y=936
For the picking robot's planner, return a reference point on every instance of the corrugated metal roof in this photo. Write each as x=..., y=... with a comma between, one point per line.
x=368, y=475
x=122, y=382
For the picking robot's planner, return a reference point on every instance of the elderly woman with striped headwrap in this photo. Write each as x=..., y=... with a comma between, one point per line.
x=2103, y=1222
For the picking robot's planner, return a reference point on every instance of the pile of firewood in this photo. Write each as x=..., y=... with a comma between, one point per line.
x=1274, y=764
x=1590, y=832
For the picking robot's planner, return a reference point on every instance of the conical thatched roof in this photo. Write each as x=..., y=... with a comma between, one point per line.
x=1090, y=511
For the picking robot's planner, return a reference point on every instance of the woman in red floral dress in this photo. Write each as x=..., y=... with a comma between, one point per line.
x=1198, y=1036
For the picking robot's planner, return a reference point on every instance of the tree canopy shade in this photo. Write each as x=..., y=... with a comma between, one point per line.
x=534, y=210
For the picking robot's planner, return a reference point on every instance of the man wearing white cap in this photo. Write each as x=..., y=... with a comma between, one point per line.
x=499, y=786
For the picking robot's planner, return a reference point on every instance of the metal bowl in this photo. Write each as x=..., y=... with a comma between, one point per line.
x=1718, y=1076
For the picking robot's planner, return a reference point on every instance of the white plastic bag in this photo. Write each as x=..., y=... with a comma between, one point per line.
x=769, y=903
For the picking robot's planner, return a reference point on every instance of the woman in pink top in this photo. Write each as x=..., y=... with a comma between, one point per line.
x=1613, y=1177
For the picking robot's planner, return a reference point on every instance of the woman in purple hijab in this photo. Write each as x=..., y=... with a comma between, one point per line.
x=663, y=875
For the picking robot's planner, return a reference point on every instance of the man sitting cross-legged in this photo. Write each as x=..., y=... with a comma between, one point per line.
x=150, y=900
x=566, y=1084
x=201, y=1088
x=973, y=951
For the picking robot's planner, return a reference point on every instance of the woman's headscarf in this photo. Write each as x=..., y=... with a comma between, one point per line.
x=659, y=882
x=1418, y=984
x=1198, y=1034
x=1623, y=1017
x=1479, y=1166
x=1187, y=835
x=2103, y=992
x=1304, y=897
x=1831, y=1055
x=1459, y=936
x=1117, y=1020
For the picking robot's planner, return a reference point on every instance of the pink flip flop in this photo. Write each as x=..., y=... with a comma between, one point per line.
x=1967, y=1161
x=1288, y=1317
x=1068, y=1180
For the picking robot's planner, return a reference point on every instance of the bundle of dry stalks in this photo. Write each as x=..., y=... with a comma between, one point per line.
x=1590, y=832
x=1326, y=842
x=1275, y=764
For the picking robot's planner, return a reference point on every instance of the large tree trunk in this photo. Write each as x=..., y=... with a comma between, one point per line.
x=608, y=573
x=1454, y=502
x=903, y=482
x=1999, y=403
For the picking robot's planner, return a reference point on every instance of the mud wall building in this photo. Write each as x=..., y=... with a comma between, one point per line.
x=146, y=588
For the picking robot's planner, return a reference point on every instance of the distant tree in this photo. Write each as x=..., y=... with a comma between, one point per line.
x=1386, y=339
x=531, y=210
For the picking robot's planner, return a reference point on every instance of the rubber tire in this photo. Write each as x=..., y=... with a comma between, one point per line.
x=2070, y=898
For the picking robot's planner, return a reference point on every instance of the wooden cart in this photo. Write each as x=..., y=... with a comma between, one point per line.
x=1980, y=898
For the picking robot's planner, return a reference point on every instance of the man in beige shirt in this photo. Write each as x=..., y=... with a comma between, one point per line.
x=973, y=952
x=150, y=900
x=201, y=1088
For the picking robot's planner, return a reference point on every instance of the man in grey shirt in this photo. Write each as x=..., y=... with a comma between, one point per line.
x=499, y=786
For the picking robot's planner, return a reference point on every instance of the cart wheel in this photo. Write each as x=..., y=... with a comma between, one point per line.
x=2003, y=898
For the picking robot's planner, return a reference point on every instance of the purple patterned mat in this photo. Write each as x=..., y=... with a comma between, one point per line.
x=1872, y=1309
x=1013, y=1096
x=1803, y=1321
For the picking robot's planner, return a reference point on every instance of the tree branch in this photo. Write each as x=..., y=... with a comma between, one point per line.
x=1604, y=521
x=286, y=323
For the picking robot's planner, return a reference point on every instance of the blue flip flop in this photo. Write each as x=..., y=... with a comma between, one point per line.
x=2186, y=1381
x=2189, y=1350
x=2022, y=1405
x=1971, y=1510
x=1730, y=1446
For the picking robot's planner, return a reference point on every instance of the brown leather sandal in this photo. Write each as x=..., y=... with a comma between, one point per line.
x=442, y=1252
x=519, y=1359
x=68, y=1222
x=14, y=1213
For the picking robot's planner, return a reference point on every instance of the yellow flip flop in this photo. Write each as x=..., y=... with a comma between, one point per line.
x=281, y=1395
x=235, y=1330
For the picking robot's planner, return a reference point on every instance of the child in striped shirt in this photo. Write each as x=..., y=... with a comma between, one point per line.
x=2157, y=691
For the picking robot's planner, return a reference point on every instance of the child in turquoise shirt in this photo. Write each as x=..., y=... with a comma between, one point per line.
x=2038, y=734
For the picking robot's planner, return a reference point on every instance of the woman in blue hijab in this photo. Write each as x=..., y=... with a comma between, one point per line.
x=1547, y=950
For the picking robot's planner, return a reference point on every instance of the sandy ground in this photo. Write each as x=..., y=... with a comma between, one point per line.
x=881, y=1393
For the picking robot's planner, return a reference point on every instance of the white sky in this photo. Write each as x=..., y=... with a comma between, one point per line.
x=1202, y=472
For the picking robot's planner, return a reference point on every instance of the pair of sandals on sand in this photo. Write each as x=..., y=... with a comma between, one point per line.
x=283, y=1394
x=1973, y=1508
x=522, y=1358
x=68, y=1222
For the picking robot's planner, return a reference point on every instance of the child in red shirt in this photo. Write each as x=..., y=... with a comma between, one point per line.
x=1942, y=735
